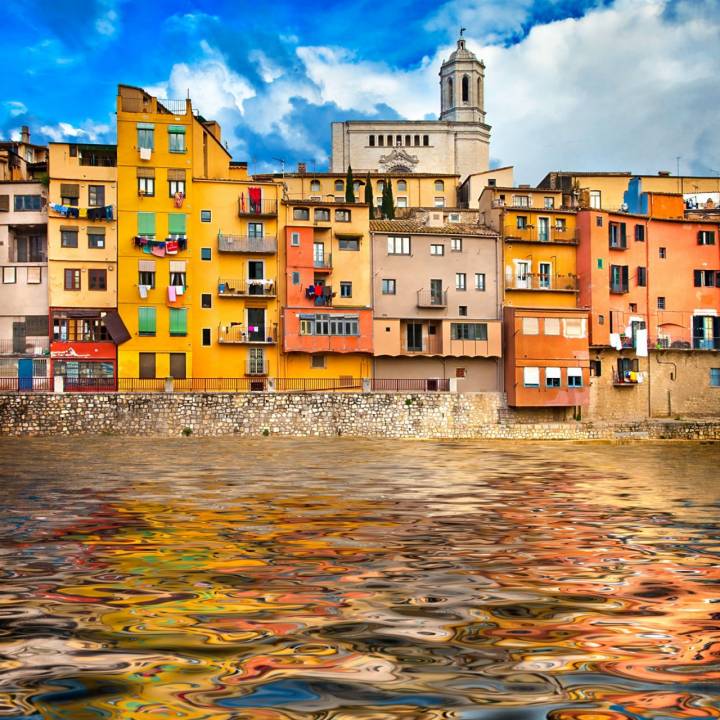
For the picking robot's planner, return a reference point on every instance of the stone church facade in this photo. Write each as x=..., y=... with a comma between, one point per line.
x=457, y=144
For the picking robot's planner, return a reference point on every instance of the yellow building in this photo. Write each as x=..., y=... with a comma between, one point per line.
x=410, y=190
x=606, y=190
x=82, y=263
x=539, y=245
x=235, y=309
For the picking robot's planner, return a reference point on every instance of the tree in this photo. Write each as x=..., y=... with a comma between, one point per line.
x=349, y=186
x=369, y=195
x=388, y=204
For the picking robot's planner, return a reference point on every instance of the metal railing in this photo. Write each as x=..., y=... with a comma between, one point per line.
x=542, y=281
x=251, y=383
x=174, y=107
x=256, y=207
x=432, y=345
x=411, y=385
x=430, y=298
x=246, y=244
x=24, y=346
x=530, y=233
x=240, y=335
x=246, y=288
x=323, y=263
x=32, y=384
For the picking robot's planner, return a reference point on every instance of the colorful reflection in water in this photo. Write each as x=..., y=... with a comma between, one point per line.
x=273, y=579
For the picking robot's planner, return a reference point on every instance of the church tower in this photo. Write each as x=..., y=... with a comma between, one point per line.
x=462, y=93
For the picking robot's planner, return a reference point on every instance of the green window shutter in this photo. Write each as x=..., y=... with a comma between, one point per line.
x=146, y=223
x=146, y=320
x=177, y=223
x=178, y=321
x=176, y=129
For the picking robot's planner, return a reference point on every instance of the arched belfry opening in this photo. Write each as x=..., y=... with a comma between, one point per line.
x=466, y=89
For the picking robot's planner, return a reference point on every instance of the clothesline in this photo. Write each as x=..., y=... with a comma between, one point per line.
x=103, y=212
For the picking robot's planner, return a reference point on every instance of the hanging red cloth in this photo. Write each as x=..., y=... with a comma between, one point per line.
x=255, y=195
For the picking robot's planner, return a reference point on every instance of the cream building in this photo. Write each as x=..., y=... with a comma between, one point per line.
x=456, y=144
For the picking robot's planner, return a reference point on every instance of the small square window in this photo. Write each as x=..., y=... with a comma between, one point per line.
x=633, y=307
x=601, y=319
x=296, y=278
x=345, y=289
x=206, y=337
x=460, y=281
x=598, y=220
x=318, y=362
x=662, y=252
x=595, y=368
x=600, y=263
x=437, y=249
x=295, y=239
x=206, y=300
x=462, y=310
x=661, y=303
x=96, y=240
x=9, y=275
x=69, y=238
x=530, y=326
x=388, y=287
x=480, y=281
x=206, y=253
x=714, y=377
x=206, y=216
x=456, y=244
x=97, y=279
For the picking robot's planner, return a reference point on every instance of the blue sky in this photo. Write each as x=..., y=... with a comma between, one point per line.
x=571, y=84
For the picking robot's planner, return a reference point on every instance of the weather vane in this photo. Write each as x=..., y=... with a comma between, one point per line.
x=462, y=30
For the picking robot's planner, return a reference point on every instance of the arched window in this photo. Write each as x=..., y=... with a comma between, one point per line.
x=339, y=186
x=315, y=186
x=389, y=140
x=407, y=140
x=380, y=186
x=417, y=139
x=465, y=89
x=381, y=140
x=371, y=141
x=451, y=99
x=402, y=186
x=398, y=140
x=479, y=97
x=439, y=186
x=426, y=140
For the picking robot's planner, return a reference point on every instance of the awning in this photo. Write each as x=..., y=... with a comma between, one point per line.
x=116, y=327
x=350, y=235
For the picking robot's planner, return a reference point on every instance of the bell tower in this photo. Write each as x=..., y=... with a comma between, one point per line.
x=462, y=91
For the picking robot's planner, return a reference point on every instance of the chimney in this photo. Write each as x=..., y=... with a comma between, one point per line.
x=25, y=134
x=664, y=173
x=302, y=168
x=524, y=186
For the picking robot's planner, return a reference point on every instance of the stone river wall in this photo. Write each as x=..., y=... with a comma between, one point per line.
x=395, y=415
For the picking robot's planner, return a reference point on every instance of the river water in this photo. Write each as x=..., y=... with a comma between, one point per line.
x=342, y=578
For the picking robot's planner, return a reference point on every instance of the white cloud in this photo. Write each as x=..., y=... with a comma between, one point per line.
x=354, y=85
x=269, y=71
x=89, y=132
x=15, y=108
x=107, y=22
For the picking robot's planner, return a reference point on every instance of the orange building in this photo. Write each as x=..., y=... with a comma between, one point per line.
x=327, y=308
x=546, y=357
x=651, y=279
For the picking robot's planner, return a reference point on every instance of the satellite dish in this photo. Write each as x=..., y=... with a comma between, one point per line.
x=624, y=207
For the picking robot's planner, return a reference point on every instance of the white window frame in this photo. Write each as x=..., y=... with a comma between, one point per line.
x=531, y=377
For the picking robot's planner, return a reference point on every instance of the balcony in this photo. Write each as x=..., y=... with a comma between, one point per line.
x=246, y=244
x=542, y=281
x=431, y=298
x=320, y=295
x=323, y=264
x=24, y=346
x=629, y=378
x=238, y=335
x=257, y=367
x=228, y=287
x=552, y=236
x=431, y=345
x=256, y=208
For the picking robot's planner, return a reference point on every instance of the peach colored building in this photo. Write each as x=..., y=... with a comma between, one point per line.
x=437, y=301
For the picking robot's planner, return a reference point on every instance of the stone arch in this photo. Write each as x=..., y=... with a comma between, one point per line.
x=465, y=89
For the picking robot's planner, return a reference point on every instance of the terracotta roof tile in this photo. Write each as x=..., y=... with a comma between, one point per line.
x=418, y=228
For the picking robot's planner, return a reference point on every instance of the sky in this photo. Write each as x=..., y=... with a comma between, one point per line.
x=570, y=84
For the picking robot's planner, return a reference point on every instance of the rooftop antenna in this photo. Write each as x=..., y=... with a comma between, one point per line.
x=678, y=157
x=282, y=164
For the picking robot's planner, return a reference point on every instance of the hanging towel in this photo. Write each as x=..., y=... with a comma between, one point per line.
x=143, y=291
x=145, y=153
x=83, y=212
x=179, y=290
x=615, y=341
x=171, y=247
x=147, y=249
x=171, y=293
x=159, y=249
x=641, y=340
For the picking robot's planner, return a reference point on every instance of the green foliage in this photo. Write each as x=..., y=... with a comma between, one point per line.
x=388, y=203
x=187, y=431
x=349, y=186
x=369, y=195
